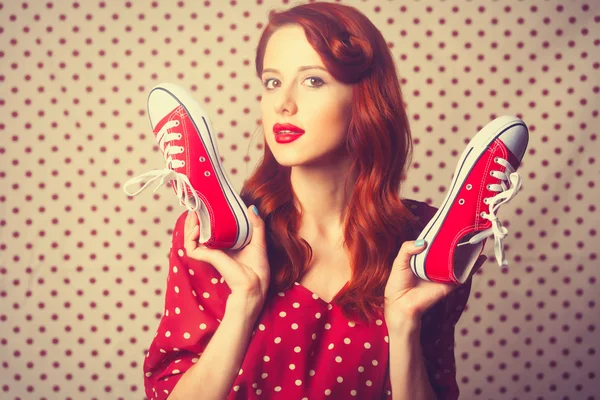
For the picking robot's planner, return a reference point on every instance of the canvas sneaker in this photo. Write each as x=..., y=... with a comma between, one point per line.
x=185, y=137
x=484, y=179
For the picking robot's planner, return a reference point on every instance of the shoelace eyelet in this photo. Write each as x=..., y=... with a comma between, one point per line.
x=469, y=186
x=206, y=173
x=461, y=201
x=482, y=214
x=202, y=159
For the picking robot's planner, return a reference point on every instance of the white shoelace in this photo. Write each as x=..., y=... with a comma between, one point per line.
x=180, y=181
x=505, y=195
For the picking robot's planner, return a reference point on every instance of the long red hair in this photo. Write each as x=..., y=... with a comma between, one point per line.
x=379, y=142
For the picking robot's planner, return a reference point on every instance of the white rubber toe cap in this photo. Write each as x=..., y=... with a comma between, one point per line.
x=516, y=138
x=160, y=103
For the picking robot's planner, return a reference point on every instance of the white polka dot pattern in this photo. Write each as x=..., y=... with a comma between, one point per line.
x=327, y=355
x=83, y=293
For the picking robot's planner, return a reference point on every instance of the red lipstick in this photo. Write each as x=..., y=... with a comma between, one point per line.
x=286, y=133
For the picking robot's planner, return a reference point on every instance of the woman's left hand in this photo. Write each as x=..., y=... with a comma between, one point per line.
x=407, y=297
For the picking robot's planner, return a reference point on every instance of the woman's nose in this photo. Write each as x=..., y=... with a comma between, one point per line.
x=286, y=102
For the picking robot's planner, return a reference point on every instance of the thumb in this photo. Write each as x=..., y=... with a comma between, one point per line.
x=258, y=227
x=407, y=250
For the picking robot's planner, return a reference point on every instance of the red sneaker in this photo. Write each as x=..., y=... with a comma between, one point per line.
x=457, y=233
x=184, y=134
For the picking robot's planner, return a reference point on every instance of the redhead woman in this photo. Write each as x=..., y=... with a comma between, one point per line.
x=322, y=303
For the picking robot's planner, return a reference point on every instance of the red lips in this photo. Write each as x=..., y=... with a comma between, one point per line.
x=286, y=127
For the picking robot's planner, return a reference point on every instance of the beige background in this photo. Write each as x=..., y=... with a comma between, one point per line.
x=83, y=267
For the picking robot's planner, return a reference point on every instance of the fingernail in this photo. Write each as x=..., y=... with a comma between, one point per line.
x=420, y=243
x=255, y=210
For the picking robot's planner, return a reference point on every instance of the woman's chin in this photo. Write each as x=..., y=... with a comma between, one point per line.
x=289, y=161
x=289, y=157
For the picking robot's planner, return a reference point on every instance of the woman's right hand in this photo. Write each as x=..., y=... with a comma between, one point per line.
x=246, y=271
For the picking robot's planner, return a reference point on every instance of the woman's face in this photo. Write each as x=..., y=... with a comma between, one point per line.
x=310, y=99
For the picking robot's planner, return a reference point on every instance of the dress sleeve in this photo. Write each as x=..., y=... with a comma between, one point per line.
x=438, y=329
x=437, y=341
x=195, y=300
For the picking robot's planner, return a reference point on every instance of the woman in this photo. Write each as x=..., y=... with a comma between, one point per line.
x=322, y=302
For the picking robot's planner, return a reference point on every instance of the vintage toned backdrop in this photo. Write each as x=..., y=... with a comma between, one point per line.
x=83, y=266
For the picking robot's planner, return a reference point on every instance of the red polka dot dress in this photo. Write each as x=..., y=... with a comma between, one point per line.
x=301, y=347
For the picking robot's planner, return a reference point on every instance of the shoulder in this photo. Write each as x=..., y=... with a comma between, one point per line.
x=419, y=207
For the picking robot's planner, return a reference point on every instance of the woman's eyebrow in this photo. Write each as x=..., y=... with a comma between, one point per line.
x=303, y=68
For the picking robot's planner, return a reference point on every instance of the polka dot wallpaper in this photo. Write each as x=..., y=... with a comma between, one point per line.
x=83, y=267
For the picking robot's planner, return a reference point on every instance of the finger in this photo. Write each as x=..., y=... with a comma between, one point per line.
x=236, y=275
x=440, y=289
x=197, y=250
x=190, y=221
x=194, y=234
x=191, y=218
x=191, y=237
x=258, y=229
x=407, y=250
x=190, y=243
x=186, y=224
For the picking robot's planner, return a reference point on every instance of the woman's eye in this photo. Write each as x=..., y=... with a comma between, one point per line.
x=314, y=78
x=315, y=82
x=266, y=83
